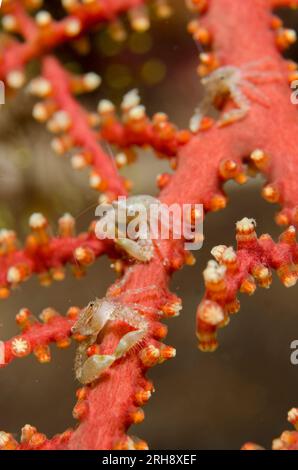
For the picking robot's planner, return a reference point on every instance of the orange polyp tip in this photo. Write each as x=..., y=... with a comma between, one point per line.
x=48, y=314
x=78, y=337
x=209, y=314
x=140, y=445
x=245, y=231
x=142, y=397
x=166, y=132
x=260, y=159
x=293, y=417
x=42, y=353
x=285, y=37
x=248, y=286
x=37, y=440
x=7, y=442
x=173, y=163
x=172, y=309
x=160, y=331
x=198, y=5
x=118, y=266
x=126, y=443
x=82, y=393
x=24, y=318
x=73, y=312
x=218, y=202
x=137, y=416
x=228, y=169
x=150, y=356
x=162, y=180
x=276, y=22
x=84, y=255
x=4, y=292
x=183, y=136
x=63, y=343
x=206, y=58
x=270, y=193
x=65, y=436
x=251, y=446
x=293, y=76
x=288, y=236
x=208, y=346
x=193, y=26
x=66, y=225
x=229, y=259
x=262, y=275
x=282, y=219
x=206, y=123
x=27, y=432
x=241, y=178
x=203, y=36
x=292, y=66
x=190, y=259
x=58, y=274
x=93, y=349
x=128, y=184
x=232, y=307
x=168, y=352
x=78, y=271
x=287, y=275
x=80, y=410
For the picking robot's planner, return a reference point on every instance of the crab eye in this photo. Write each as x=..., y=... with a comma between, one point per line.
x=91, y=304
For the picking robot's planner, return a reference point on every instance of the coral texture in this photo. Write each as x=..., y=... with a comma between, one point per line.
x=262, y=140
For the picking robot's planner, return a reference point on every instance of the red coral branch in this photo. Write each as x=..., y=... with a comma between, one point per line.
x=240, y=270
x=288, y=439
x=36, y=336
x=136, y=128
x=78, y=132
x=43, y=38
x=106, y=409
x=46, y=255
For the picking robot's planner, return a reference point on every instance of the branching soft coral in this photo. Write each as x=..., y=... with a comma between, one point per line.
x=242, y=270
x=238, y=36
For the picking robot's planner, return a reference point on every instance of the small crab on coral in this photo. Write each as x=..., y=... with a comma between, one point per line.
x=235, y=83
x=127, y=221
x=89, y=365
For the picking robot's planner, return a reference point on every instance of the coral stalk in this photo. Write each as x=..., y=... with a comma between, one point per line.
x=43, y=37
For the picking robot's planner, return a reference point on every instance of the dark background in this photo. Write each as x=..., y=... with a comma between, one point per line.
x=206, y=401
